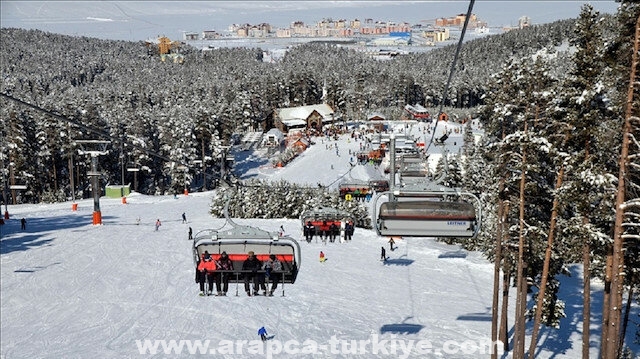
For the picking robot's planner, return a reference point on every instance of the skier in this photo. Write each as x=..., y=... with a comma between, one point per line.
x=158, y=224
x=262, y=332
x=205, y=272
x=184, y=218
x=250, y=268
x=383, y=254
x=190, y=233
x=23, y=224
x=322, y=258
x=222, y=278
x=271, y=268
x=391, y=243
x=281, y=232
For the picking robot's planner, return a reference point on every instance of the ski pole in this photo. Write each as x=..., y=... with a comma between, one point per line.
x=237, y=281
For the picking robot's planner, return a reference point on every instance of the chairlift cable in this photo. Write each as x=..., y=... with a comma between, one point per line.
x=91, y=129
x=452, y=70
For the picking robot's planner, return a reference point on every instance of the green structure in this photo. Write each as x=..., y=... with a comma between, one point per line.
x=117, y=191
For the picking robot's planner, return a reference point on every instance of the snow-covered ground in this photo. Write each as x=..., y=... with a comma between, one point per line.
x=70, y=289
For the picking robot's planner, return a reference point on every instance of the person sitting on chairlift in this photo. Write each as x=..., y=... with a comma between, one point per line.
x=250, y=267
x=271, y=268
x=205, y=272
x=309, y=231
x=222, y=279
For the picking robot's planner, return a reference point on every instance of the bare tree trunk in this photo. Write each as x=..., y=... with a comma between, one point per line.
x=617, y=263
x=519, y=334
x=204, y=168
x=496, y=275
x=504, y=315
x=625, y=321
x=605, y=304
x=545, y=268
x=586, y=278
x=586, y=298
x=54, y=172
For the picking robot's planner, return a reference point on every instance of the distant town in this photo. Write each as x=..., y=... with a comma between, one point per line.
x=387, y=33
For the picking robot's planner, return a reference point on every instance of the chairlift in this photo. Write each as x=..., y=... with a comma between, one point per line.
x=379, y=185
x=324, y=216
x=354, y=189
x=422, y=208
x=435, y=217
x=239, y=240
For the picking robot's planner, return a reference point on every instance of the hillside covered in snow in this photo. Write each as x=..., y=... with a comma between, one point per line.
x=126, y=290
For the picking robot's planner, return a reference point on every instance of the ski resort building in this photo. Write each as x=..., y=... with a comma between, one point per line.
x=303, y=117
x=416, y=112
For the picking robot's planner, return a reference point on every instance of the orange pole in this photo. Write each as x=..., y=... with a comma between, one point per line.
x=97, y=218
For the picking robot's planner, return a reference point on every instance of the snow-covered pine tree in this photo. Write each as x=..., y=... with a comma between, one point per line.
x=264, y=199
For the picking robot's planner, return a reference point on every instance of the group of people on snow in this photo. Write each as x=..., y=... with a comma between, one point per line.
x=255, y=273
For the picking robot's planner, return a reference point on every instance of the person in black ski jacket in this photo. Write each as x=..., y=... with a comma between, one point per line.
x=333, y=231
x=348, y=231
x=309, y=231
x=250, y=267
x=222, y=278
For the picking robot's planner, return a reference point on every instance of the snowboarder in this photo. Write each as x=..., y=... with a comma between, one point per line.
x=383, y=254
x=184, y=218
x=281, y=232
x=158, y=224
x=271, y=268
x=262, y=332
x=322, y=258
x=205, y=272
x=250, y=268
x=23, y=224
x=190, y=233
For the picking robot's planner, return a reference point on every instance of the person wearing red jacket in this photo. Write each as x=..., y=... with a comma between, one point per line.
x=205, y=272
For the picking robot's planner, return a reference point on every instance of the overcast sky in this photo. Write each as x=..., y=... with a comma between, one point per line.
x=139, y=20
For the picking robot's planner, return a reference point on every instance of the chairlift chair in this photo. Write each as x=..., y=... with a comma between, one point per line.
x=420, y=217
x=422, y=208
x=239, y=240
x=322, y=219
x=318, y=216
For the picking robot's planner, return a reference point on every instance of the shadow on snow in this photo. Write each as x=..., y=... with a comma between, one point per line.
x=15, y=239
